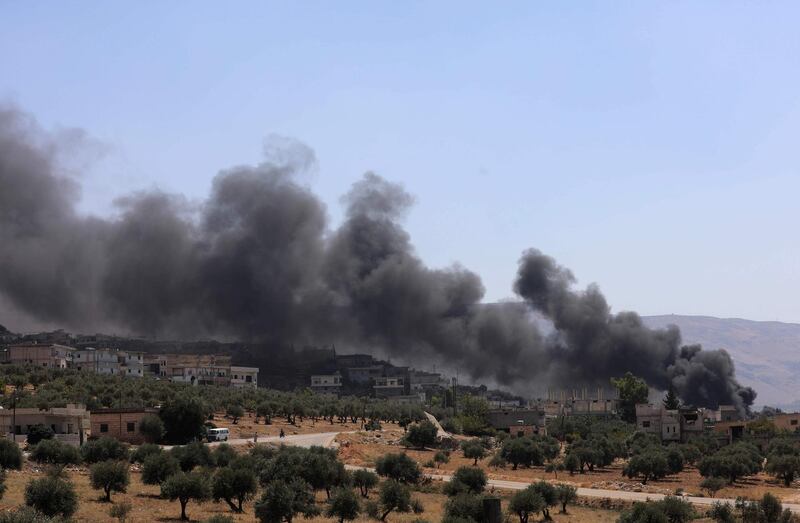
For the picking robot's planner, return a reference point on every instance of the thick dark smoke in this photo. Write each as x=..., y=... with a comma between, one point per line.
x=589, y=341
x=256, y=261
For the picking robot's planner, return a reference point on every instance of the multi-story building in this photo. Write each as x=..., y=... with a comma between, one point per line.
x=579, y=402
x=49, y=355
x=121, y=424
x=327, y=384
x=199, y=369
x=669, y=425
x=131, y=364
x=155, y=365
x=69, y=424
x=363, y=375
x=387, y=386
x=244, y=377
x=420, y=381
x=99, y=361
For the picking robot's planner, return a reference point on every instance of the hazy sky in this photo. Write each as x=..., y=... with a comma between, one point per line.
x=652, y=147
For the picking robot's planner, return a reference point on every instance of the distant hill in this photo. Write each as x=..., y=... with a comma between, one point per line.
x=766, y=353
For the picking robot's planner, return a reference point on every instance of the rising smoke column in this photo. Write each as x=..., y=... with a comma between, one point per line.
x=48, y=254
x=410, y=310
x=591, y=344
x=256, y=261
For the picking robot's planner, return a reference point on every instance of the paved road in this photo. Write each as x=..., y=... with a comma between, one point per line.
x=598, y=493
x=321, y=439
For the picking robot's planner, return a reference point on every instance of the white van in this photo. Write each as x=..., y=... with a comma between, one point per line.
x=218, y=434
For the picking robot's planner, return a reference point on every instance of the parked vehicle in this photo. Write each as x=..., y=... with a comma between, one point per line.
x=218, y=434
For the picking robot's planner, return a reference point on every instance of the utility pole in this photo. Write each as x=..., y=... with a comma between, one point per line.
x=455, y=401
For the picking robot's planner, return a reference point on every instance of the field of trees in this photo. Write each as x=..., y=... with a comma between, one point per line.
x=106, y=479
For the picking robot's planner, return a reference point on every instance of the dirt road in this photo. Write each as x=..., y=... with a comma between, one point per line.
x=599, y=493
x=321, y=439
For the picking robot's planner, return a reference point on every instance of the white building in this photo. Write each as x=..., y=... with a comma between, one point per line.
x=244, y=377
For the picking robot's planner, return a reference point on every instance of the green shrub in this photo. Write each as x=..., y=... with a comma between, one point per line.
x=55, y=452
x=158, y=467
x=398, y=467
x=343, y=505
x=186, y=487
x=110, y=476
x=10, y=455
x=193, y=455
x=52, y=497
x=26, y=515
x=104, y=449
x=120, y=511
x=142, y=452
x=39, y=432
x=151, y=428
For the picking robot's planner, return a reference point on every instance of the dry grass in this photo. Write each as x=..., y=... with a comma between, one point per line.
x=246, y=426
x=359, y=449
x=148, y=507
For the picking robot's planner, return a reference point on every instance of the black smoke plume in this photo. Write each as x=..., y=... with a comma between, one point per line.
x=257, y=261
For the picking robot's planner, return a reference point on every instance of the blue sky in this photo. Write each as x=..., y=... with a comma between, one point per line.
x=650, y=147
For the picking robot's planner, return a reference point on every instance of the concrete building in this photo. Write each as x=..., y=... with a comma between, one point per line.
x=386, y=387
x=364, y=375
x=155, y=365
x=99, y=361
x=729, y=413
x=789, y=422
x=198, y=369
x=131, y=364
x=420, y=381
x=49, y=355
x=578, y=402
x=120, y=424
x=327, y=384
x=347, y=361
x=70, y=424
x=503, y=419
x=244, y=377
x=669, y=425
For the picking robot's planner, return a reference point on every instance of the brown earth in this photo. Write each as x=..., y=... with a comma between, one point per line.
x=147, y=506
x=363, y=449
x=246, y=426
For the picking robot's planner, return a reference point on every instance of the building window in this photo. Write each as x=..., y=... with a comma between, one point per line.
x=104, y=427
x=248, y=379
x=646, y=424
x=131, y=426
x=793, y=422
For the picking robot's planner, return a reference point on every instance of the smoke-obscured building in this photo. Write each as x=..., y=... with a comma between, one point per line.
x=389, y=386
x=529, y=420
x=327, y=384
x=579, y=402
x=244, y=377
x=199, y=369
x=47, y=355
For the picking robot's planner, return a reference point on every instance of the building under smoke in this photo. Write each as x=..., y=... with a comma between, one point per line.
x=257, y=261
